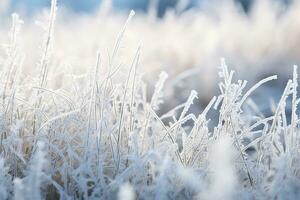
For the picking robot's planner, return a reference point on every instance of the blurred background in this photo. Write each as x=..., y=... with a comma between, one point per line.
x=141, y=5
x=185, y=38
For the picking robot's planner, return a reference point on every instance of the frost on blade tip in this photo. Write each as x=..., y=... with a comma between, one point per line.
x=13, y=34
x=157, y=95
x=294, y=103
x=131, y=14
x=257, y=85
x=16, y=19
x=53, y=11
x=188, y=104
x=224, y=69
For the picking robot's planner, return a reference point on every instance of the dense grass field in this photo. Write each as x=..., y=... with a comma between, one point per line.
x=109, y=107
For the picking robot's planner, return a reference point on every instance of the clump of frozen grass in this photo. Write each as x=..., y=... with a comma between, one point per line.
x=5, y=181
x=30, y=186
x=98, y=137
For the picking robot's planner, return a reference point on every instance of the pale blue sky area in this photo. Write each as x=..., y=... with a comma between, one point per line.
x=91, y=5
x=77, y=5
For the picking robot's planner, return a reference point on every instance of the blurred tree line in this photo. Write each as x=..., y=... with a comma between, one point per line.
x=141, y=5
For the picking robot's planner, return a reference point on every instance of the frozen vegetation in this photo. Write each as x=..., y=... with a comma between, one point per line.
x=71, y=128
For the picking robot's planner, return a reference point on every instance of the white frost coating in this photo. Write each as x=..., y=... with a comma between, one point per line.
x=126, y=192
x=223, y=174
x=257, y=85
x=133, y=151
x=156, y=97
x=188, y=103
